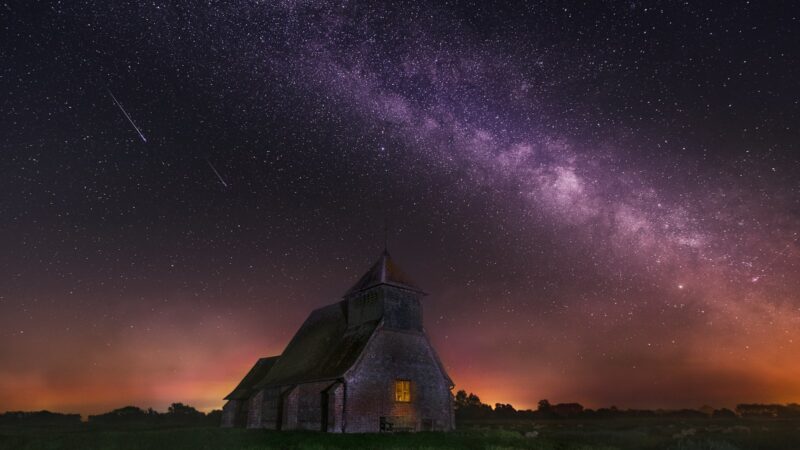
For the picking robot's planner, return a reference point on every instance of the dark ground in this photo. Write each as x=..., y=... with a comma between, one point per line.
x=619, y=434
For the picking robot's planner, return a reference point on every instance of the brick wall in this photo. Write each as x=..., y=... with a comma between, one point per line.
x=269, y=405
x=254, y=409
x=290, y=405
x=401, y=308
x=229, y=413
x=391, y=355
x=309, y=405
x=335, y=403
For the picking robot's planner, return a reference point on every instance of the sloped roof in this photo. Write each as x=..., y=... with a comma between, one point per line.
x=384, y=271
x=439, y=362
x=323, y=348
x=256, y=374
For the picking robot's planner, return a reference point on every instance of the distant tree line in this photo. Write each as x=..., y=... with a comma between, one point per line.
x=38, y=419
x=470, y=407
x=177, y=415
x=467, y=407
x=790, y=411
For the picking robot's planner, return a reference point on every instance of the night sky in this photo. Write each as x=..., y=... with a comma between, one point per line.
x=602, y=198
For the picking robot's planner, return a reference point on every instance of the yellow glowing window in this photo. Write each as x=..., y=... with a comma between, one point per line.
x=402, y=391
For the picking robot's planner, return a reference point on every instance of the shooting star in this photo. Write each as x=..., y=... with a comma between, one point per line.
x=216, y=173
x=127, y=116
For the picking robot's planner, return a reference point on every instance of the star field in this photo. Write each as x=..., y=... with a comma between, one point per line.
x=602, y=199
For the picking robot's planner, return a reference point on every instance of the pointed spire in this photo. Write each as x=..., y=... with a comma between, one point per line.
x=384, y=271
x=384, y=263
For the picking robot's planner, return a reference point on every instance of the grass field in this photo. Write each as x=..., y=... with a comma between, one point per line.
x=561, y=435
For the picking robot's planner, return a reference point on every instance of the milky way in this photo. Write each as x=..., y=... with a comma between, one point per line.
x=602, y=200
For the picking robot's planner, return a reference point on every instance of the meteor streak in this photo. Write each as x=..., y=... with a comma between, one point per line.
x=216, y=173
x=127, y=116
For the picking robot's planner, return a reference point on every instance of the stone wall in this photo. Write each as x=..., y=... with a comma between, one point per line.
x=230, y=411
x=297, y=407
x=254, y=409
x=364, y=307
x=304, y=412
x=335, y=402
x=401, y=308
x=392, y=355
x=269, y=405
x=289, y=407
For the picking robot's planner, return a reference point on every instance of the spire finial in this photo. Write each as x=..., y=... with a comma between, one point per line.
x=386, y=192
x=385, y=235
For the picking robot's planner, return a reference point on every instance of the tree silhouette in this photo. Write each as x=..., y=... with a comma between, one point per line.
x=179, y=409
x=544, y=406
x=723, y=413
x=469, y=406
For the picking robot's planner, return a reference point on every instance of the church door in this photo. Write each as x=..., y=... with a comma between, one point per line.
x=324, y=408
x=279, y=418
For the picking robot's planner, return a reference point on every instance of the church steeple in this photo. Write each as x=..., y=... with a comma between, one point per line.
x=385, y=293
x=384, y=271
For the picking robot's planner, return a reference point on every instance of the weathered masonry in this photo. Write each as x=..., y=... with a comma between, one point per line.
x=363, y=364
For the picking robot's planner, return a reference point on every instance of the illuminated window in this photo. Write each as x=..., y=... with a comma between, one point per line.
x=402, y=391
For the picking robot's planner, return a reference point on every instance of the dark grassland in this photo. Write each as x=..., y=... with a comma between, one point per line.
x=608, y=434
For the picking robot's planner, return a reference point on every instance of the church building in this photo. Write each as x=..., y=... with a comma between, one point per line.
x=363, y=364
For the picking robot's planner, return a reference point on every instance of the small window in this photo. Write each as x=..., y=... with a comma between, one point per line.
x=402, y=391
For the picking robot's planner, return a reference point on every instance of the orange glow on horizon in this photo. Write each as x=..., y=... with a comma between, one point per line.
x=710, y=363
